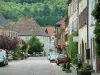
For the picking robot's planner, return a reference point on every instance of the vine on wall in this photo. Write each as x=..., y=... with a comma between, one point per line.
x=73, y=48
x=96, y=14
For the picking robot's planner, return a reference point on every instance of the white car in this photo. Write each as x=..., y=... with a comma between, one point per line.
x=52, y=56
x=3, y=61
x=10, y=57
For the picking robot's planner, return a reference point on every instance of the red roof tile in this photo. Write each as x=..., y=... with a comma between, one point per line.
x=62, y=23
x=50, y=30
x=11, y=23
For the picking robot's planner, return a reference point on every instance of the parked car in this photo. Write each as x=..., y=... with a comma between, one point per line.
x=49, y=55
x=53, y=57
x=3, y=58
x=3, y=61
x=10, y=57
x=62, y=58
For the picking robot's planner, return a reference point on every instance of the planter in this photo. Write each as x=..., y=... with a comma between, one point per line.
x=68, y=70
x=84, y=73
x=63, y=69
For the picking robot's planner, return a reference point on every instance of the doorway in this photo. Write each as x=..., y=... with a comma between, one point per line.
x=82, y=51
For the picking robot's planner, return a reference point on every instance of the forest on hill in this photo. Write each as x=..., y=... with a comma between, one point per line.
x=45, y=12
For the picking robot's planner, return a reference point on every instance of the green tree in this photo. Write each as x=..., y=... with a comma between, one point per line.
x=96, y=14
x=35, y=45
x=41, y=10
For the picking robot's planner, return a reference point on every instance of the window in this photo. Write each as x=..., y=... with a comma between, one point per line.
x=83, y=18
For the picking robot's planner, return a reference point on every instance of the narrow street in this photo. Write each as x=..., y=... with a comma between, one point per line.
x=31, y=66
x=34, y=66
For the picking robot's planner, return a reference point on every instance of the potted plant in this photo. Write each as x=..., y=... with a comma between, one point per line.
x=85, y=70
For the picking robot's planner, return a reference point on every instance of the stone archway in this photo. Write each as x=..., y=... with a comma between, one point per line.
x=82, y=51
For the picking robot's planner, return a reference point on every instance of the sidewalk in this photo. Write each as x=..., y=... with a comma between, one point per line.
x=58, y=70
x=92, y=73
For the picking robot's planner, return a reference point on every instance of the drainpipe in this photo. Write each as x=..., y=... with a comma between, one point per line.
x=88, y=49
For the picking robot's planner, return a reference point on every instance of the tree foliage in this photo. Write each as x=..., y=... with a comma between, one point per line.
x=35, y=45
x=96, y=14
x=73, y=47
x=45, y=12
x=24, y=46
x=8, y=43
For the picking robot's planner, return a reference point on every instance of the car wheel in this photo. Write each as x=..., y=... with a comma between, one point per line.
x=58, y=64
x=50, y=61
x=6, y=62
x=3, y=63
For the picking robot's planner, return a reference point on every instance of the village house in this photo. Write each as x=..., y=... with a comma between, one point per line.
x=81, y=20
x=60, y=35
x=72, y=21
x=26, y=28
x=94, y=60
x=6, y=28
x=50, y=31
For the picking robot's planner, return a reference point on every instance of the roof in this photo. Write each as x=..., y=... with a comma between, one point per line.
x=4, y=22
x=62, y=23
x=11, y=23
x=26, y=27
x=50, y=30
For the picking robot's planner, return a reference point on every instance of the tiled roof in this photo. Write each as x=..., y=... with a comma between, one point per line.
x=62, y=23
x=11, y=23
x=28, y=27
x=3, y=22
x=44, y=31
x=50, y=30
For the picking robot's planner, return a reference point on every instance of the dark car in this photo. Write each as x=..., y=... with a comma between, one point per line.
x=62, y=58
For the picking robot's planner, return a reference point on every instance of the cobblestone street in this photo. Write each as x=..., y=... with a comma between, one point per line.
x=33, y=66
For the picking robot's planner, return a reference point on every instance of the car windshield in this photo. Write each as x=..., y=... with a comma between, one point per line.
x=62, y=56
x=53, y=55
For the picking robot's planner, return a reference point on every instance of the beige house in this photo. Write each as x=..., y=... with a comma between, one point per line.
x=73, y=16
x=82, y=29
x=26, y=28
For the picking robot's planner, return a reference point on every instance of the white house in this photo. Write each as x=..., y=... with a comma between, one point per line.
x=93, y=58
x=50, y=32
x=6, y=28
x=26, y=28
x=82, y=44
x=73, y=16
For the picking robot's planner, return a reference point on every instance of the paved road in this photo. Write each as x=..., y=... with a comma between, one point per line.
x=30, y=66
x=34, y=66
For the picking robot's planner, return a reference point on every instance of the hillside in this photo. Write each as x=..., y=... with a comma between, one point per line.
x=45, y=12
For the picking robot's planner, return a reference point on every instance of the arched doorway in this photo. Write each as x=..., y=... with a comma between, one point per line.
x=82, y=51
